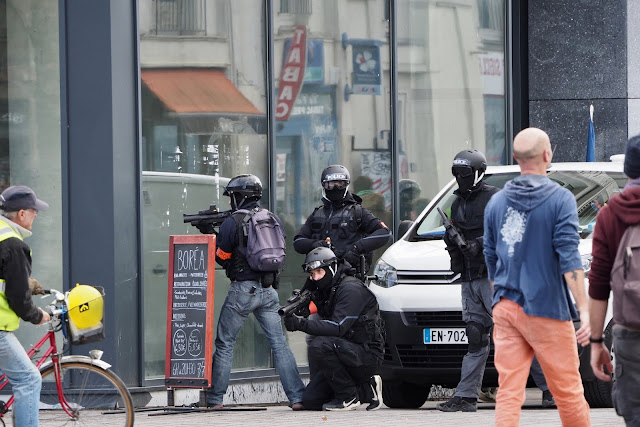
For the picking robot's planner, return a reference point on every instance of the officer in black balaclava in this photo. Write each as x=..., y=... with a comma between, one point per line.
x=347, y=343
x=351, y=229
x=467, y=215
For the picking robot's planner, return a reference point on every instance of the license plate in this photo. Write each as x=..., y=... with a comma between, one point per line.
x=445, y=336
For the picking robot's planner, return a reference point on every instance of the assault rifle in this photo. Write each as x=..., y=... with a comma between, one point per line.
x=207, y=220
x=452, y=231
x=297, y=300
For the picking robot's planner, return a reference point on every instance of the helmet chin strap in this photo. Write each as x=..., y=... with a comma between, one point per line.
x=477, y=178
x=333, y=268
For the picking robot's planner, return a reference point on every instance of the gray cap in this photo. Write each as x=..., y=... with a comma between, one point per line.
x=19, y=197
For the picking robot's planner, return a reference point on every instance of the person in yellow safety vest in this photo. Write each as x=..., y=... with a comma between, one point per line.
x=19, y=206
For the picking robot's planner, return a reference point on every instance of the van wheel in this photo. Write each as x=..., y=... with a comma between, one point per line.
x=598, y=392
x=401, y=395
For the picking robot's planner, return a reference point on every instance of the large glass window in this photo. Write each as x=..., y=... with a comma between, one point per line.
x=203, y=122
x=450, y=90
x=340, y=115
x=30, y=128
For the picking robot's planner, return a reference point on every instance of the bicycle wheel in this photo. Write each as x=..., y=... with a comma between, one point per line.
x=96, y=396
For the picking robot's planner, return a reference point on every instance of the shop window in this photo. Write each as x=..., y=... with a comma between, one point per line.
x=30, y=140
x=201, y=125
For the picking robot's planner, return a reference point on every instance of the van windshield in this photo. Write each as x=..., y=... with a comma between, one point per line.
x=592, y=190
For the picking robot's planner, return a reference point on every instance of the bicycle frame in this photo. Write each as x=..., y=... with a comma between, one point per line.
x=52, y=352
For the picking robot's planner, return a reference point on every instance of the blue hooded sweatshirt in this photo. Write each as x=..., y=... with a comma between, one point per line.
x=530, y=240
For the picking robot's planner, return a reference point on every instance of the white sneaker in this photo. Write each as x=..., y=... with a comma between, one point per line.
x=339, y=405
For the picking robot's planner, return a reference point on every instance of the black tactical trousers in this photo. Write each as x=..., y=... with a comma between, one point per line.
x=342, y=370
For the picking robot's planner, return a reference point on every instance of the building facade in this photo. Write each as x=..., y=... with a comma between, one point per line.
x=125, y=115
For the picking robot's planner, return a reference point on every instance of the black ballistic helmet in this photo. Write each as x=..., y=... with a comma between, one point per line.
x=335, y=173
x=467, y=162
x=319, y=257
x=245, y=185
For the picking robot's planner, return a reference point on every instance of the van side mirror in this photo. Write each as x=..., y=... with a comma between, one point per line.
x=404, y=227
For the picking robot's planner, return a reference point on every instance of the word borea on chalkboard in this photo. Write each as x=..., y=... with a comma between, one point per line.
x=190, y=311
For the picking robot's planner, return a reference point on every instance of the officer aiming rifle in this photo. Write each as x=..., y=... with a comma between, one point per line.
x=297, y=303
x=207, y=221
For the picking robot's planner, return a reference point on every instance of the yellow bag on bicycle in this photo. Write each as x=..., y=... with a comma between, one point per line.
x=85, y=306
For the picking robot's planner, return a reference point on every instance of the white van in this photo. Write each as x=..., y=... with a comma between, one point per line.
x=417, y=291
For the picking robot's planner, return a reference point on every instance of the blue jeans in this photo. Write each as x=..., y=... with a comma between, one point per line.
x=243, y=298
x=24, y=378
x=626, y=348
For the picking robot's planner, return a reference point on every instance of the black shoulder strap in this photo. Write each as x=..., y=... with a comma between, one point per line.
x=358, y=214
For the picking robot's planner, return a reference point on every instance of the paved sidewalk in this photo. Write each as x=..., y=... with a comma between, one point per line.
x=532, y=415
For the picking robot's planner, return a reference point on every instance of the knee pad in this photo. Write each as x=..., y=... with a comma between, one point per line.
x=478, y=336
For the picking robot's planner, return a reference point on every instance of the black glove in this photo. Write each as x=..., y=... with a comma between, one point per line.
x=319, y=243
x=352, y=258
x=471, y=249
x=206, y=228
x=302, y=311
x=292, y=323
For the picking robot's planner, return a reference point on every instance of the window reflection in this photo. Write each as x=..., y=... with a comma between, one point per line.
x=450, y=88
x=203, y=122
x=341, y=115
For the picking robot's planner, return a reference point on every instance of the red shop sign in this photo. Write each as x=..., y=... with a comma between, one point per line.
x=292, y=73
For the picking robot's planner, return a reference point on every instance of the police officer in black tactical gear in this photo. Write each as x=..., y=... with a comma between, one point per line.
x=467, y=215
x=347, y=344
x=250, y=292
x=352, y=229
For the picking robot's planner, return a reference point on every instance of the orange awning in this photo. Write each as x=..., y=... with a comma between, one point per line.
x=197, y=91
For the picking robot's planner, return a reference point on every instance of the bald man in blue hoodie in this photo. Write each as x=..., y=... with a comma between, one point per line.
x=531, y=251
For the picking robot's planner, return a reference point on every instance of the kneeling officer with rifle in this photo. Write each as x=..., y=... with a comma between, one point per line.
x=348, y=336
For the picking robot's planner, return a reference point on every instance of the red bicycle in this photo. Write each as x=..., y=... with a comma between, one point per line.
x=76, y=390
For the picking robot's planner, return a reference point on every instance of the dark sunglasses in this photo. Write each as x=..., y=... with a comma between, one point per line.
x=462, y=171
x=335, y=185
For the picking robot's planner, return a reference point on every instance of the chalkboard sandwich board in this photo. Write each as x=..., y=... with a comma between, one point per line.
x=189, y=344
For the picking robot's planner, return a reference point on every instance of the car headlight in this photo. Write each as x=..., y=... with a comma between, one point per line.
x=387, y=275
x=586, y=264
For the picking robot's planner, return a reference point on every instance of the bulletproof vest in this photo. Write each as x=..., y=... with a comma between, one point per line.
x=467, y=215
x=342, y=226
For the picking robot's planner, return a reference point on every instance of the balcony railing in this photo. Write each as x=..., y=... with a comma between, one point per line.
x=180, y=17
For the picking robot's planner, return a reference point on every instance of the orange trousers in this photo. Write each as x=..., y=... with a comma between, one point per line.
x=517, y=336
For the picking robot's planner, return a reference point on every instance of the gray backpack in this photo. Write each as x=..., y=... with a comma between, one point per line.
x=625, y=279
x=265, y=243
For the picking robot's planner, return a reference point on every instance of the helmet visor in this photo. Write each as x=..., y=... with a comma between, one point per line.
x=311, y=265
x=335, y=185
x=462, y=171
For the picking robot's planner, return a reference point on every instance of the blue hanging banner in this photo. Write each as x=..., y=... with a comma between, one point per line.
x=367, y=77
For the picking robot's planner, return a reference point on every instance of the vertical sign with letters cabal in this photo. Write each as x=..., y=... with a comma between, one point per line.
x=292, y=74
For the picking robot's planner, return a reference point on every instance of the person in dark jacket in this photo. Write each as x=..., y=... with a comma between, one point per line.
x=620, y=212
x=251, y=292
x=19, y=207
x=342, y=223
x=467, y=215
x=347, y=344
